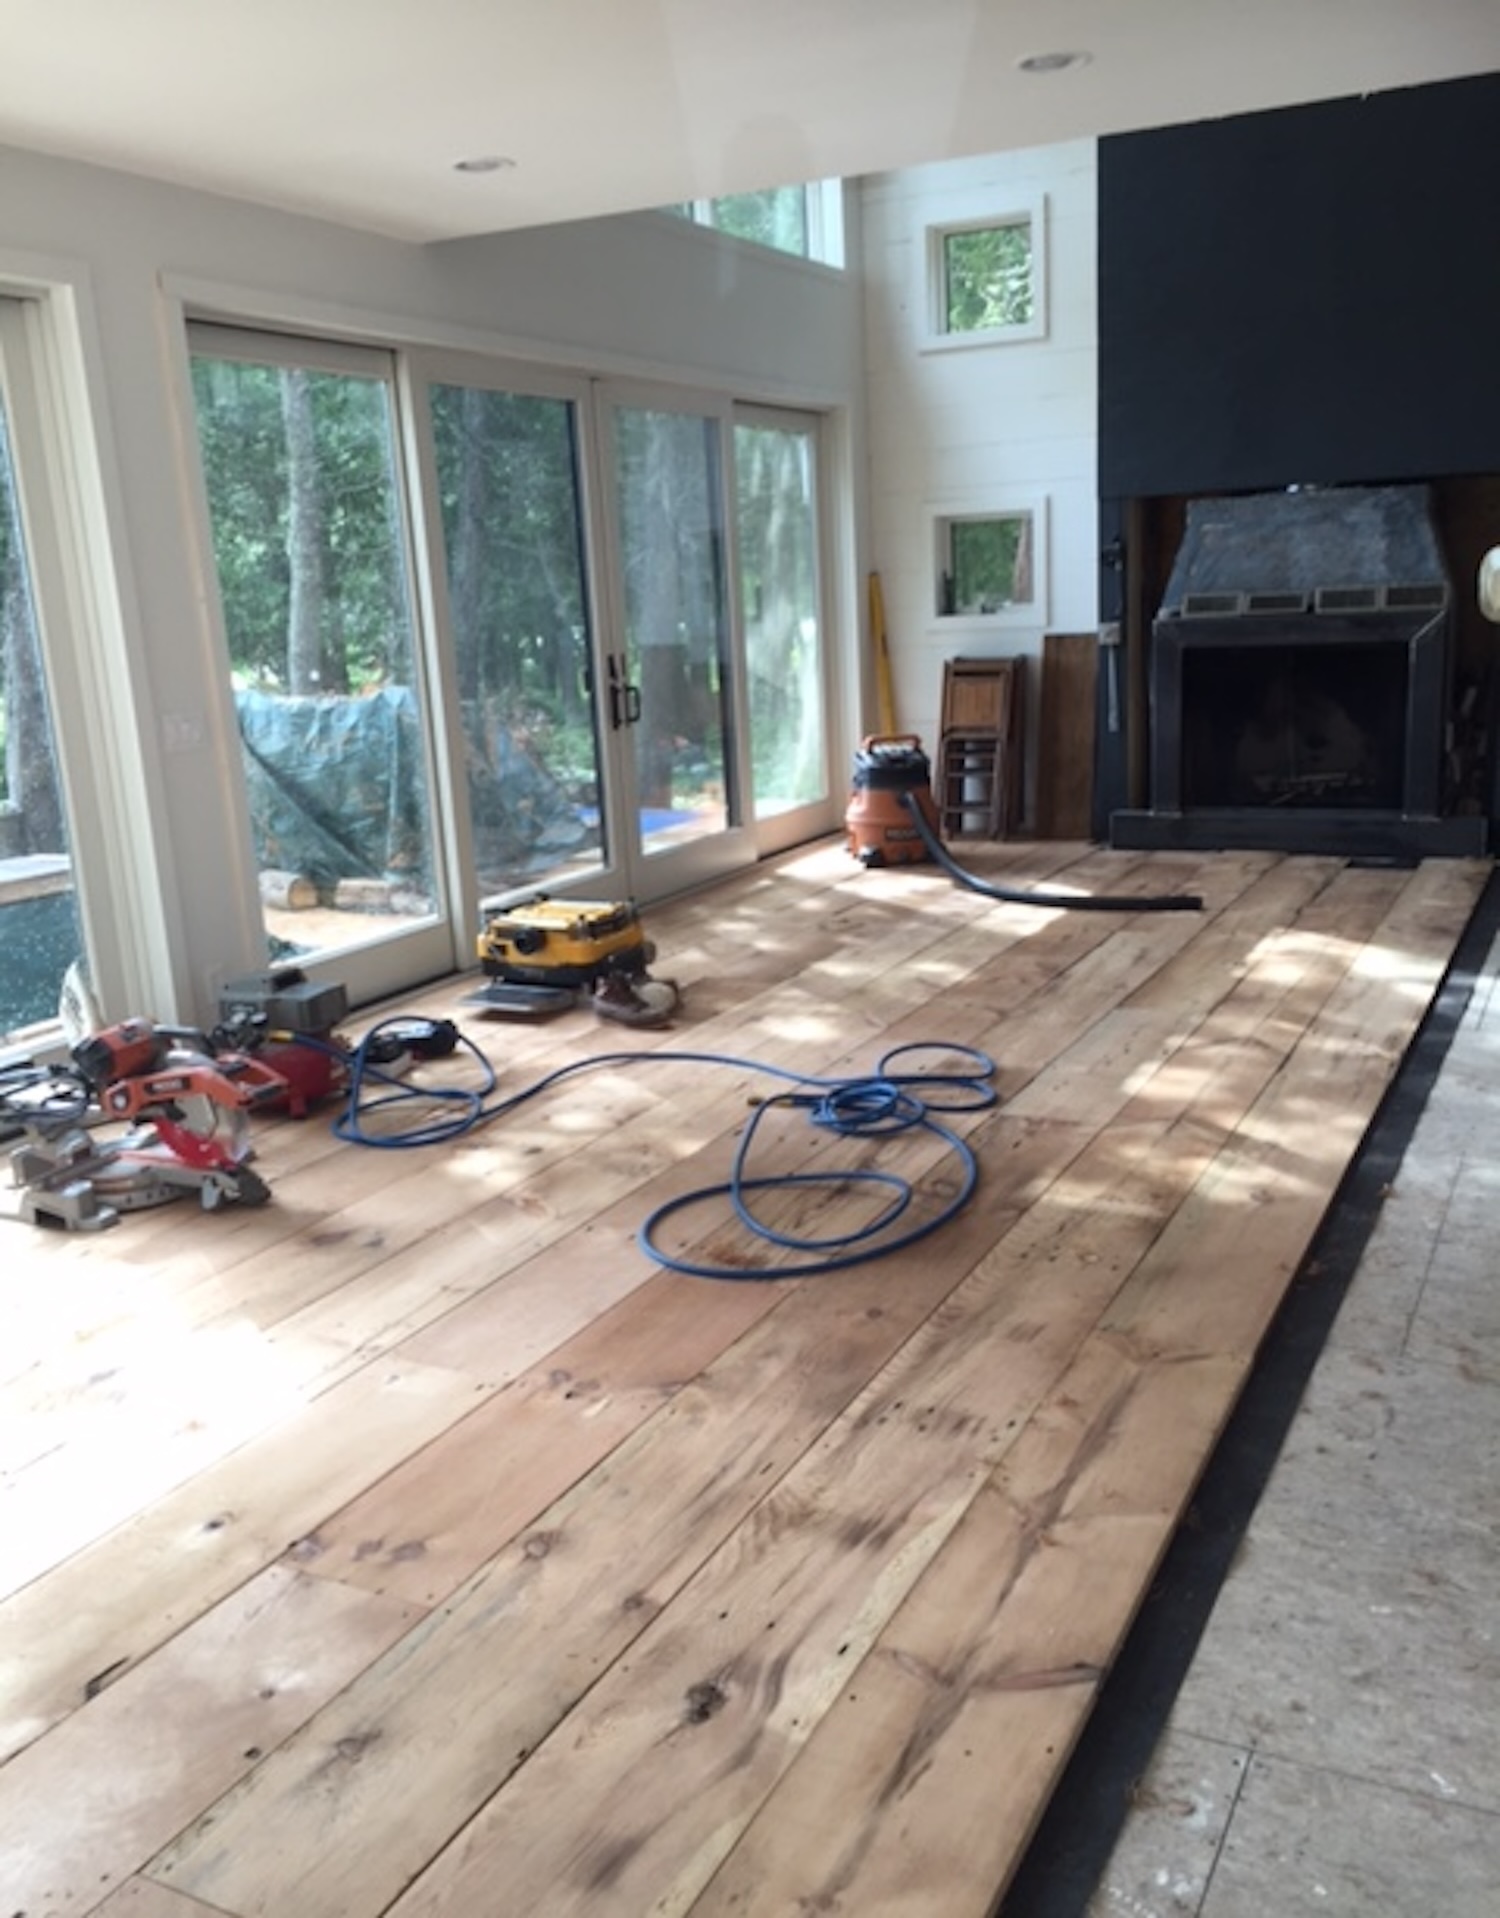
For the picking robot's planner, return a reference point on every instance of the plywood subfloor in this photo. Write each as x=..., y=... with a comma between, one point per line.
x=416, y=1544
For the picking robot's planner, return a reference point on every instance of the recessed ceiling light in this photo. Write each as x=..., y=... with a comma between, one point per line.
x=484, y=163
x=1052, y=62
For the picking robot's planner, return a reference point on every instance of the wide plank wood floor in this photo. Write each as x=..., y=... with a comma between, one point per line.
x=417, y=1544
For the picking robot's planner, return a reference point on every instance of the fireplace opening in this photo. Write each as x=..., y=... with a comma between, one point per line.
x=1299, y=679
x=1294, y=726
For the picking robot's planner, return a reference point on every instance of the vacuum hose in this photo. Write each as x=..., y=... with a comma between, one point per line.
x=1071, y=902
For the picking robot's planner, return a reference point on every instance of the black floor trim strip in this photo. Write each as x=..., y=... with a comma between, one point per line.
x=1062, y=1867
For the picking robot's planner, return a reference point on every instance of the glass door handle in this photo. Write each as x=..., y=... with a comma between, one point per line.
x=616, y=690
x=624, y=698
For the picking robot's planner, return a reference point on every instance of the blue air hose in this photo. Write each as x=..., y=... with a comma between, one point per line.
x=887, y=1103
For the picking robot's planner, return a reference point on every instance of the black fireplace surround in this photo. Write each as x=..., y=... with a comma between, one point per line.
x=1299, y=677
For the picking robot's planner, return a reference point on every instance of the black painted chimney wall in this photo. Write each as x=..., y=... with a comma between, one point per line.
x=1305, y=295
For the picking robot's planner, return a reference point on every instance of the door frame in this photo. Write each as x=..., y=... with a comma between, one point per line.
x=106, y=789
x=420, y=369
x=659, y=875
x=781, y=831
x=385, y=962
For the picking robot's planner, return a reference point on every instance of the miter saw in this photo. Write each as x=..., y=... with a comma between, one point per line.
x=185, y=1110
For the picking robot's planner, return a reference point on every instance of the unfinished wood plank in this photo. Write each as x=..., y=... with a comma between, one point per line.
x=522, y=1292
x=554, y=1610
x=203, y=1398
x=523, y=1186
x=93, y=1802
x=79, y=1628
x=431, y=1523
x=1099, y=1071
x=605, y=1262
x=322, y=1246
x=942, y=1688
x=697, y=1460
x=667, y=1759
x=1255, y=1212
x=896, y=1806
x=1288, y=893
x=1074, y=971
x=669, y=1846
x=540, y=1195
x=1065, y=736
x=1107, y=1276
x=1063, y=1291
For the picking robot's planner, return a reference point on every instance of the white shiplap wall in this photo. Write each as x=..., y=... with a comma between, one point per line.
x=979, y=427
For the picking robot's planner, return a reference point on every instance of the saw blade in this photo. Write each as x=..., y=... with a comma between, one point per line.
x=198, y=1114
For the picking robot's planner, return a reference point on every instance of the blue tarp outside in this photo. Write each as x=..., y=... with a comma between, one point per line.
x=336, y=786
x=337, y=792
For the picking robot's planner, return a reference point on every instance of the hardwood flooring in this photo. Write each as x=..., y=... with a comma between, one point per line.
x=417, y=1544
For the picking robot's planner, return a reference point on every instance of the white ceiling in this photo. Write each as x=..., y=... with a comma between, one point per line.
x=356, y=110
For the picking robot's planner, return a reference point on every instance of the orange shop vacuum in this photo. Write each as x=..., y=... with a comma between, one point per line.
x=881, y=830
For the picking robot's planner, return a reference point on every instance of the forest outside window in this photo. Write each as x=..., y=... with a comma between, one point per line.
x=806, y=221
x=40, y=927
x=303, y=468
x=991, y=565
x=987, y=279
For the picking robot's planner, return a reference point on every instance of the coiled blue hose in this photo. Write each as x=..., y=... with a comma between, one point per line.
x=888, y=1102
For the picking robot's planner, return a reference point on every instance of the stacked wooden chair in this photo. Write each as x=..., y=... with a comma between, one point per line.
x=979, y=748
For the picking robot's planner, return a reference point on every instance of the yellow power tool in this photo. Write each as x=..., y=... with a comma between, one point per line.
x=542, y=954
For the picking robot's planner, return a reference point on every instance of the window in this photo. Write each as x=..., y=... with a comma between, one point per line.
x=991, y=565
x=39, y=924
x=303, y=470
x=677, y=682
x=987, y=280
x=775, y=468
x=804, y=220
x=77, y=867
x=519, y=607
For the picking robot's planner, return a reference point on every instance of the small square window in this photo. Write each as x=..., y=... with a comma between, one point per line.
x=986, y=280
x=991, y=565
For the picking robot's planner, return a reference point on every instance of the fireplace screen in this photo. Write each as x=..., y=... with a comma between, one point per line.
x=1298, y=679
x=1294, y=725
x=1299, y=657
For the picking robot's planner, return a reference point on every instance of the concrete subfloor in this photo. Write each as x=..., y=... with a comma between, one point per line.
x=1335, y=1746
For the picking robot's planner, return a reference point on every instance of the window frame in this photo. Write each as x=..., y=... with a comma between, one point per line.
x=823, y=204
x=62, y=465
x=388, y=960
x=1025, y=211
x=778, y=831
x=1033, y=612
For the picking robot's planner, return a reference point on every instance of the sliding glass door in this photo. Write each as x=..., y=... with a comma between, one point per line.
x=304, y=463
x=787, y=667
x=519, y=611
x=674, y=675
x=618, y=594
x=590, y=632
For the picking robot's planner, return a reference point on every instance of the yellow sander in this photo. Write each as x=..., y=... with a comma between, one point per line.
x=544, y=955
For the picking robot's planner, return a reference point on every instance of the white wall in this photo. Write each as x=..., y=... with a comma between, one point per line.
x=978, y=427
x=642, y=294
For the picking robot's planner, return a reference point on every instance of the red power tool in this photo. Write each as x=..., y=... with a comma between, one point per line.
x=188, y=1110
